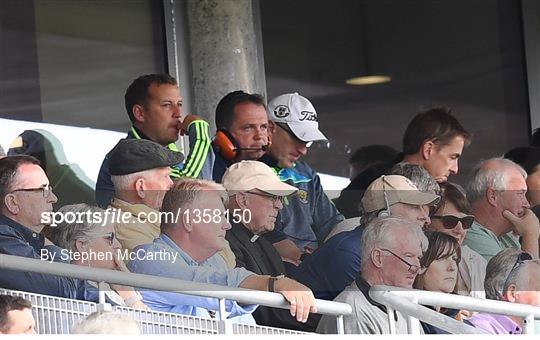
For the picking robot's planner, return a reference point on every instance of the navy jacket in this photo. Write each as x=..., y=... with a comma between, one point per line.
x=16, y=239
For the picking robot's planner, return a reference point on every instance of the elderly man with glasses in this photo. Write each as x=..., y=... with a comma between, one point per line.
x=512, y=276
x=256, y=196
x=386, y=260
x=26, y=197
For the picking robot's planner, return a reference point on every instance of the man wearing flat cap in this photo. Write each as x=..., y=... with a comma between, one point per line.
x=140, y=171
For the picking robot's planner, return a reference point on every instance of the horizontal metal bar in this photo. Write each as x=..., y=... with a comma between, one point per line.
x=430, y=316
x=462, y=302
x=245, y=296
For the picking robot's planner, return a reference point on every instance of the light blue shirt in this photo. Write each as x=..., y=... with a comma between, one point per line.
x=171, y=261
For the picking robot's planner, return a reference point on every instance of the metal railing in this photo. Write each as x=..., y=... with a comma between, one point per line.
x=222, y=293
x=409, y=301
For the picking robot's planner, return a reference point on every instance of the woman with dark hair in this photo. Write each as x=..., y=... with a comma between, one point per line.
x=452, y=216
x=441, y=262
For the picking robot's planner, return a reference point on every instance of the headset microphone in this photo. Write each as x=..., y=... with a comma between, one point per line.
x=262, y=148
x=228, y=147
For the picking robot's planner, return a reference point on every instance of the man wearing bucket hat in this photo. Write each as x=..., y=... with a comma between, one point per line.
x=334, y=265
x=255, y=198
x=306, y=219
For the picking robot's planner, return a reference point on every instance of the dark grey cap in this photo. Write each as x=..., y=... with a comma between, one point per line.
x=134, y=155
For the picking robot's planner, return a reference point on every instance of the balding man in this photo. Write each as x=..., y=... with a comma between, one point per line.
x=512, y=277
x=386, y=260
x=496, y=190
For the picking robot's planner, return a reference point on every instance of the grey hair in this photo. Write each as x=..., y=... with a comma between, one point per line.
x=418, y=175
x=380, y=233
x=183, y=195
x=125, y=182
x=484, y=176
x=107, y=322
x=367, y=218
x=86, y=227
x=497, y=271
x=520, y=276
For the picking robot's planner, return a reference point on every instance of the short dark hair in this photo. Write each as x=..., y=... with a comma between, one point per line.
x=137, y=91
x=437, y=125
x=225, y=107
x=8, y=168
x=9, y=303
x=375, y=153
x=526, y=156
x=455, y=194
x=441, y=246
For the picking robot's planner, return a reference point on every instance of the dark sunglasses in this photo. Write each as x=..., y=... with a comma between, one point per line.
x=450, y=221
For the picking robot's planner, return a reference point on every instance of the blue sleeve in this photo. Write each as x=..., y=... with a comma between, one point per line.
x=180, y=270
x=328, y=271
x=35, y=282
x=325, y=213
x=104, y=185
x=184, y=303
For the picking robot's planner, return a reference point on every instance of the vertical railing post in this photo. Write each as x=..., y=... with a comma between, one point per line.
x=102, y=302
x=340, y=328
x=413, y=324
x=391, y=319
x=224, y=324
x=528, y=325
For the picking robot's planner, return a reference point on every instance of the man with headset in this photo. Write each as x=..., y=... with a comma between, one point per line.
x=154, y=107
x=336, y=264
x=242, y=130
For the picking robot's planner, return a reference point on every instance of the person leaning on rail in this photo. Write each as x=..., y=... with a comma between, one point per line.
x=93, y=243
x=192, y=242
x=386, y=260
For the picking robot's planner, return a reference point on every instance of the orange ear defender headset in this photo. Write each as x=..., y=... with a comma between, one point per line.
x=228, y=147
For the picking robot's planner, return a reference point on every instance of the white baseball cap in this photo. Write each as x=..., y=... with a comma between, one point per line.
x=299, y=114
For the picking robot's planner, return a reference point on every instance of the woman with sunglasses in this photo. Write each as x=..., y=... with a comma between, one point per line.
x=440, y=261
x=452, y=216
x=93, y=243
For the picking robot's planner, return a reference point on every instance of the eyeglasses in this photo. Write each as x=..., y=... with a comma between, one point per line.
x=521, y=259
x=288, y=130
x=450, y=221
x=46, y=188
x=413, y=269
x=110, y=237
x=274, y=198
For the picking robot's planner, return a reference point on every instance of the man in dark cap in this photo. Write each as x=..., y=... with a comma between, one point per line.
x=140, y=171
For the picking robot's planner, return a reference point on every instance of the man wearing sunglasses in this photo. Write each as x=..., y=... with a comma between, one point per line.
x=25, y=196
x=496, y=190
x=386, y=260
x=307, y=218
x=512, y=276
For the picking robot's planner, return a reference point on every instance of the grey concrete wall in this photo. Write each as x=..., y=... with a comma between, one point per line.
x=226, y=51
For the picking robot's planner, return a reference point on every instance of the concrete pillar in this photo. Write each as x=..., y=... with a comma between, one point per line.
x=226, y=51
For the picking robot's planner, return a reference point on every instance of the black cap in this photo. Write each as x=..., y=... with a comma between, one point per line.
x=134, y=155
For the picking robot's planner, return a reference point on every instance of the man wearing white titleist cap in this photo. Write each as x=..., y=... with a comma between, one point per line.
x=307, y=218
x=256, y=193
